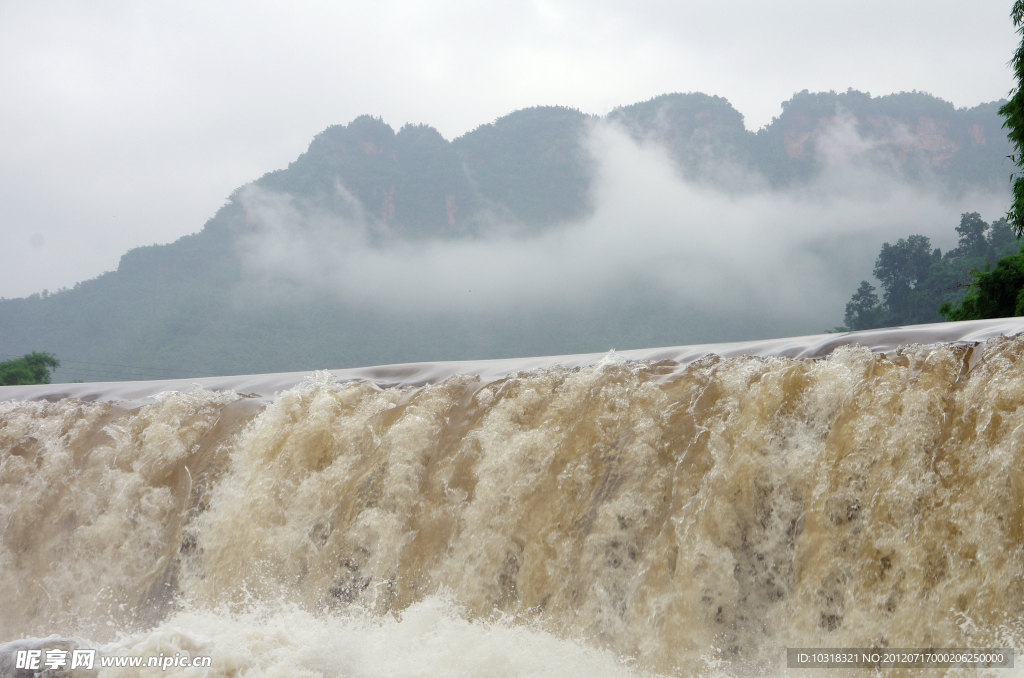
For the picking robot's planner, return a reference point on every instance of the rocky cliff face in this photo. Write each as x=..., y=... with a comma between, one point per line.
x=411, y=183
x=915, y=133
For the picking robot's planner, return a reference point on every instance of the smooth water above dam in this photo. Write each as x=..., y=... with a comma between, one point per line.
x=694, y=512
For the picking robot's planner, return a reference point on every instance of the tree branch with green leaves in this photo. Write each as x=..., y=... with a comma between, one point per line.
x=31, y=368
x=1013, y=111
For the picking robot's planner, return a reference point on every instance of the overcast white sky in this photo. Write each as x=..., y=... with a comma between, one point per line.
x=129, y=123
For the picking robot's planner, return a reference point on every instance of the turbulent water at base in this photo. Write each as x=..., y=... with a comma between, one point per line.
x=625, y=518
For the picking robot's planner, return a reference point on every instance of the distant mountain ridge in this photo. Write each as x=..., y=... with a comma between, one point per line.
x=167, y=306
x=531, y=166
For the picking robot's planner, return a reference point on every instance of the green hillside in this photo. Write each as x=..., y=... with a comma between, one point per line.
x=182, y=309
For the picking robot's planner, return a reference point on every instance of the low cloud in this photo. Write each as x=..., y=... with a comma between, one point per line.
x=795, y=254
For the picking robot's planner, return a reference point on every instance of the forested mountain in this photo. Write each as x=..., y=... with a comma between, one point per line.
x=177, y=309
x=532, y=166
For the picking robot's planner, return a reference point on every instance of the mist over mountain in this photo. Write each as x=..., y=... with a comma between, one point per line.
x=547, y=231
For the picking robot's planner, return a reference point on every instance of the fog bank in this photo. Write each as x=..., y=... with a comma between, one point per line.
x=728, y=244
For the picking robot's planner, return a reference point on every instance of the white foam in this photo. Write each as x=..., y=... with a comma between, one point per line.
x=433, y=638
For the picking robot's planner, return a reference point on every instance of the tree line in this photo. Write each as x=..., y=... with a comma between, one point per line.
x=922, y=285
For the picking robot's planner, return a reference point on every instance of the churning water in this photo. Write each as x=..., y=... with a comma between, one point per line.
x=616, y=517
